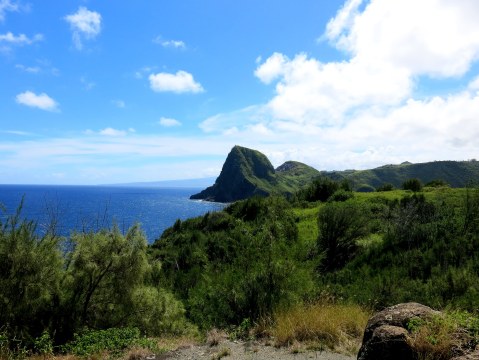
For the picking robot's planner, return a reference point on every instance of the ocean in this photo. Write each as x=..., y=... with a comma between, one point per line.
x=90, y=208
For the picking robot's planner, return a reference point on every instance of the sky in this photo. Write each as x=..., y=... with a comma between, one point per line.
x=102, y=92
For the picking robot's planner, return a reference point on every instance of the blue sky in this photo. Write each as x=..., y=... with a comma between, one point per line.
x=98, y=92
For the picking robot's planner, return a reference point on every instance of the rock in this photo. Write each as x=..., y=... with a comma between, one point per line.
x=386, y=335
x=470, y=356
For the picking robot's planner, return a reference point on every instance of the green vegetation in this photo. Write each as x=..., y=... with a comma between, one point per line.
x=321, y=325
x=302, y=268
x=443, y=335
x=53, y=288
x=241, y=263
x=454, y=173
x=248, y=173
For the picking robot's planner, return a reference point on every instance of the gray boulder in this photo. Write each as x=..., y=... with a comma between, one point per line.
x=386, y=335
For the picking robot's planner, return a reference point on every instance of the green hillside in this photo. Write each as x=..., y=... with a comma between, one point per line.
x=248, y=172
x=455, y=173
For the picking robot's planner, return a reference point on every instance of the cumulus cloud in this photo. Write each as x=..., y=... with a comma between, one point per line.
x=391, y=44
x=28, y=69
x=169, y=122
x=430, y=37
x=6, y=6
x=20, y=39
x=41, y=101
x=364, y=111
x=177, y=44
x=119, y=103
x=110, y=132
x=181, y=82
x=85, y=24
x=272, y=68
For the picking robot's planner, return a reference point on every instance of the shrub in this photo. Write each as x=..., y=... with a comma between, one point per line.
x=365, y=188
x=414, y=185
x=437, y=183
x=320, y=189
x=112, y=340
x=30, y=273
x=444, y=336
x=341, y=195
x=385, y=187
x=340, y=226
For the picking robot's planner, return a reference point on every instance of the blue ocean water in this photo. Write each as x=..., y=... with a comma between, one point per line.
x=78, y=208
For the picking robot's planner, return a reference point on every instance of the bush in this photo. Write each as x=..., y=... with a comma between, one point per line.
x=112, y=340
x=341, y=195
x=414, y=185
x=385, y=187
x=320, y=189
x=365, y=188
x=340, y=226
x=30, y=275
x=437, y=183
x=244, y=270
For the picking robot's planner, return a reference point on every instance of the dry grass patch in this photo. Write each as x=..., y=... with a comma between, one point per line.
x=337, y=327
x=444, y=337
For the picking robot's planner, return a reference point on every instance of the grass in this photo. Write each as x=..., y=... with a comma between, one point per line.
x=444, y=336
x=333, y=326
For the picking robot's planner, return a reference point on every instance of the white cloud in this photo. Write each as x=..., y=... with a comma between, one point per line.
x=5, y=6
x=168, y=122
x=87, y=84
x=181, y=82
x=271, y=69
x=85, y=24
x=474, y=84
x=110, y=132
x=28, y=69
x=343, y=20
x=391, y=43
x=20, y=39
x=309, y=91
x=429, y=37
x=363, y=112
x=177, y=44
x=41, y=101
x=119, y=103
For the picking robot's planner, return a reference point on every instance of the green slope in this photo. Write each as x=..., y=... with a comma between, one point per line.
x=455, y=173
x=248, y=172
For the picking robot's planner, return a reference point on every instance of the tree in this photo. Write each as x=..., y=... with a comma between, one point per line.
x=109, y=283
x=30, y=273
x=340, y=226
x=413, y=184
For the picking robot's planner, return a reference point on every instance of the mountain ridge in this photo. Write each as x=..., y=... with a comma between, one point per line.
x=247, y=172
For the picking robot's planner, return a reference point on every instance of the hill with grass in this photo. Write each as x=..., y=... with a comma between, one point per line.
x=248, y=172
x=454, y=173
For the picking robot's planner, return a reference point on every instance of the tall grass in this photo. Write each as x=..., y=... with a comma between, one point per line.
x=334, y=326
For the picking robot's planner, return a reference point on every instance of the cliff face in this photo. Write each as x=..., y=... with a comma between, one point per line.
x=243, y=172
x=248, y=172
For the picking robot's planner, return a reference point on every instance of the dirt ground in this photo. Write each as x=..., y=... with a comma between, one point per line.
x=249, y=350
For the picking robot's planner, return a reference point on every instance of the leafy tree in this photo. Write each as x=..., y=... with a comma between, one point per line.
x=414, y=185
x=437, y=183
x=321, y=189
x=340, y=226
x=240, y=263
x=30, y=274
x=385, y=187
x=109, y=283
